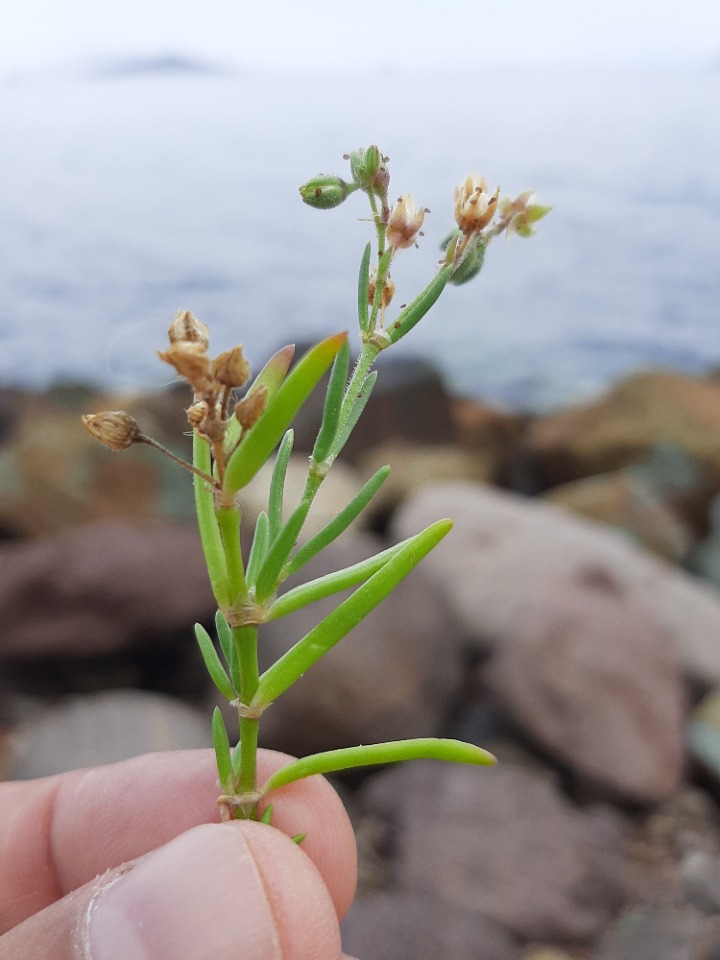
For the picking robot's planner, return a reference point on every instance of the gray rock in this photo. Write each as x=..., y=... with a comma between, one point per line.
x=700, y=873
x=103, y=728
x=504, y=843
x=393, y=676
x=398, y=925
x=590, y=676
x=650, y=933
x=503, y=547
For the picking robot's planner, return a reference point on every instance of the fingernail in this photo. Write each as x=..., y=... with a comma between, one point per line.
x=199, y=896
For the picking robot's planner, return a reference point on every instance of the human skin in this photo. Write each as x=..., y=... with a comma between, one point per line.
x=130, y=861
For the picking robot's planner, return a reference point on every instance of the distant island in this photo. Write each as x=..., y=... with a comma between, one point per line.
x=159, y=65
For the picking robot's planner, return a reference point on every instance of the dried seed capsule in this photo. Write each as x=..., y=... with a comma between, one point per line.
x=187, y=327
x=114, y=428
x=252, y=407
x=231, y=368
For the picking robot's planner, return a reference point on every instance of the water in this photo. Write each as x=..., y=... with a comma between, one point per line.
x=124, y=198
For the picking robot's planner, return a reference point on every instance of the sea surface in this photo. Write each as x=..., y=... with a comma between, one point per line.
x=135, y=189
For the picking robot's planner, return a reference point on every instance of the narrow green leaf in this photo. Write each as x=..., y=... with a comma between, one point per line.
x=333, y=404
x=266, y=815
x=271, y=376
x=298, y=838
x=358, y=405
x=259, y=442
x=210, y=538
x=222, y=750
x=363, y=286
x=279, y=551
x=224, y=635
x=371, y=754
x=332, y=530
x=229, y=649
x=213, y=664
x=331, y=583
x=259, y=547
x=277, y=484
x=415, y=311
x=315, y=644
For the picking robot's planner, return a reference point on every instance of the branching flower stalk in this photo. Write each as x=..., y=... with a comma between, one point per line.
x=233, y=438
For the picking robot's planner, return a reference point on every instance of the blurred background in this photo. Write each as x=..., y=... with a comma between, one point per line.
x=564, y=409
x=152, y=153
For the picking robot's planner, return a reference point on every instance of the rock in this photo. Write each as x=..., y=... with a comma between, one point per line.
x=703, y=734
x=644, y=410
x=392, y=677
x=103, y=728
x=503, y=546
x=337, y=490
x=651, y=933
x=409, y=401
x=701, y=879
x=623, y=499
x=590, y=676
x=413, y=466
x=54, y=475
x=503, y=843
x=398, y=925
x=491, y=435
x=100, y=588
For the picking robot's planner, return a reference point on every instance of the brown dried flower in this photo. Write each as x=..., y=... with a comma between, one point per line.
x=403, y=226
x=231, y=368
x=474, y=207
x=252, y=407
x=188, y=328
x=191, y=361
x=114, y=428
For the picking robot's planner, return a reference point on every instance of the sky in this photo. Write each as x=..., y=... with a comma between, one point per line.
x=330, y=35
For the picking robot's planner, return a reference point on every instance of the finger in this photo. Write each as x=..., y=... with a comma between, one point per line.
x=60, y=832
x=218, y=891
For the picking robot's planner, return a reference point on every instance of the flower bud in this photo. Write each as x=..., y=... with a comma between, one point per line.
x=365, y=164
x=252, y=407
x=231, y=368
x=326, y=192
x=470, y=265
x=114, y=428
x=188, y=328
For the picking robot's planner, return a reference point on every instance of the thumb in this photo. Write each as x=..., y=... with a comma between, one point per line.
x=217, y=891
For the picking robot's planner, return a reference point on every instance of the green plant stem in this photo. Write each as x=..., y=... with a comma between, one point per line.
x=210, y=537
x=245, y=640
x=366, y=359
x=228, y=519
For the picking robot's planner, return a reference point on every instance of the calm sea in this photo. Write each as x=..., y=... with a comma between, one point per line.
x=129, y=193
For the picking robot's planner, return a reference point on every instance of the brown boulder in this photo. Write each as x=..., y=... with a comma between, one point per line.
x=643, y=411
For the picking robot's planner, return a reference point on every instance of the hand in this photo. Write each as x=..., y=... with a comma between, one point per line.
x=128, y=862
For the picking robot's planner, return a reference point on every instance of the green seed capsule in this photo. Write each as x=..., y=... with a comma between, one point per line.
x=325, y=192
x=470, y=266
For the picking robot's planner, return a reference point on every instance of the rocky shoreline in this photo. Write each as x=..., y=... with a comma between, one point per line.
x=570, y=623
